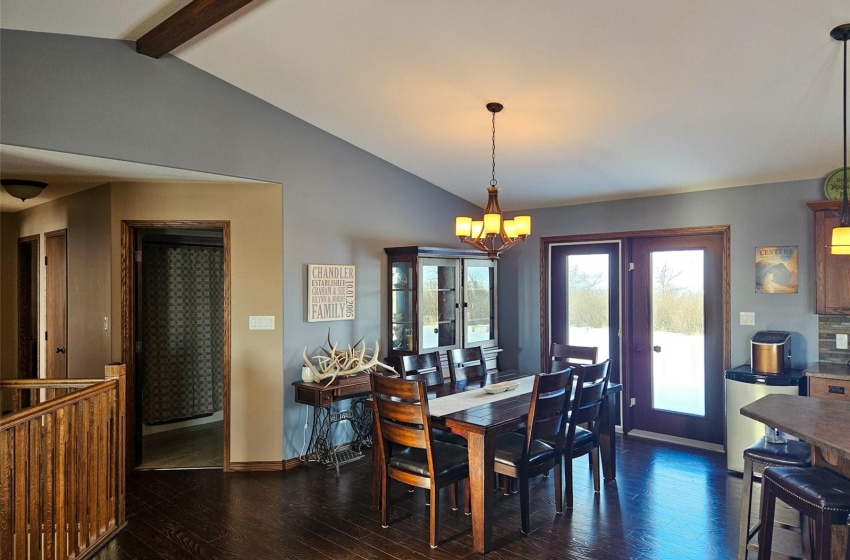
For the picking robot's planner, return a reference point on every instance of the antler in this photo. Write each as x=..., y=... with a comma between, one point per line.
x=342, y=363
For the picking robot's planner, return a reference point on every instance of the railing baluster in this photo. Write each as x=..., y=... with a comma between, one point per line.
x=21, y=496
x=7, y=492
x=48, y=484
x=61, y=488
x=34, y=501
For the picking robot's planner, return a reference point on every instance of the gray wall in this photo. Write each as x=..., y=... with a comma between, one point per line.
x=341, y=205
x=759, y=215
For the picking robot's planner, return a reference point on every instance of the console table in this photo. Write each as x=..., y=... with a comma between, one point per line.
x=322, y=396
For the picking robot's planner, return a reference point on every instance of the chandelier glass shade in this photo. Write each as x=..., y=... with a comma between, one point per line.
x=841, y=235
x=493, y=234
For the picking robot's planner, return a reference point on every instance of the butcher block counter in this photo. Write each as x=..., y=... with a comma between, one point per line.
x=822, y=422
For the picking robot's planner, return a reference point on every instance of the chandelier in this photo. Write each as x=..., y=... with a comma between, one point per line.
x=493, y=234
x=841, y=234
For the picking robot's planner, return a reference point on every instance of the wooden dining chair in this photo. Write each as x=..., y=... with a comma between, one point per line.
x=522, y=456
x=565, y=355
x=591, y=384
x=428, y=367
x=406, y=450
x=467, y=364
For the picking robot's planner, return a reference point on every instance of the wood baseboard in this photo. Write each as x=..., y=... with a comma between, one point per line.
x=257, y=466
x=293, y=463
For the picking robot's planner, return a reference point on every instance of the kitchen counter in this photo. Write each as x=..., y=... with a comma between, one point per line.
x=821, y=422
x=828, y=371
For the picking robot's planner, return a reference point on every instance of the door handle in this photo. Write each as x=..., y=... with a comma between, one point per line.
x=656, y=349
x=60, y=350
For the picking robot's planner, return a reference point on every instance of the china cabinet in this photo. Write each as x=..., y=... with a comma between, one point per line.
x=832, y=272
x=440, y=299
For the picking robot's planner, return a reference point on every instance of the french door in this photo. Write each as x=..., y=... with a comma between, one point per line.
x=676, y=347
x=584, y=298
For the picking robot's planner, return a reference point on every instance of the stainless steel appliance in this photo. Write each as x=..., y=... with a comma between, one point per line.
x=770, y=351
x=743, y=386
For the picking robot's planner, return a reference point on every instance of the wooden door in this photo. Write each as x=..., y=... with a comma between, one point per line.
x=676, y=350
x=56, y=335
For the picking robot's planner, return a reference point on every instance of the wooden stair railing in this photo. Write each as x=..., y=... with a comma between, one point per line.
x=62, y=466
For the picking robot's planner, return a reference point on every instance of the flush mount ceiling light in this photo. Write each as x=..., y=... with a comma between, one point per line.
x=22, y=188
x=493, y=234
x=841, y=234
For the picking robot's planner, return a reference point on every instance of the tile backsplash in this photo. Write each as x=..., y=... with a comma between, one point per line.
x=828, y=327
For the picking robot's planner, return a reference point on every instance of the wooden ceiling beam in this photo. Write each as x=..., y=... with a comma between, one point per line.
x=191, y=20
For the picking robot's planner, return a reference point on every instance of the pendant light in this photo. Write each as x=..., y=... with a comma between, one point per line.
x=23, y=188
x=493, y=234
x=841, y=235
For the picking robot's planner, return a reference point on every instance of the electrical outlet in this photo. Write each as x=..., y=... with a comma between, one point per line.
x=748, y=318
x=841, y=341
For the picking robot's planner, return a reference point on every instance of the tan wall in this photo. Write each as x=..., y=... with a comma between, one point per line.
x=85, y=215
x=255, y=216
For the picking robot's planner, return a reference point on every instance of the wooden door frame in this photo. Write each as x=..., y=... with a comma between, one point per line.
x=625, y=301
x=129, y=229
x=34, y=241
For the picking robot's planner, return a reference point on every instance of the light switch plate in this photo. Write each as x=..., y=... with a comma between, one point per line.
x=748, y=318
x=841, y=342
x=261, y=323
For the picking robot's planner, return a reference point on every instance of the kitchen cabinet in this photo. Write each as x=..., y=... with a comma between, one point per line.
x=832, y=272
x=440, y=299
x=829, y=381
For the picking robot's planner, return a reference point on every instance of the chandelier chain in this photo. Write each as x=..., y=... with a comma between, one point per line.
x=493, y=180
x=845, y=208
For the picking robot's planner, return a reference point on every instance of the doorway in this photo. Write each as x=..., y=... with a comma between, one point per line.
x=176, y=304
x=28, y=309
x=688, y=266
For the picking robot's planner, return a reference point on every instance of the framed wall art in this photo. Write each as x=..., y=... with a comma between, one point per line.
x=776, y=270
x=330, y=292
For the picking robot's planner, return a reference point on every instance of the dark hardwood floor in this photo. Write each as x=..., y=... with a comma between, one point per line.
x=668, y=502
x=192, y=447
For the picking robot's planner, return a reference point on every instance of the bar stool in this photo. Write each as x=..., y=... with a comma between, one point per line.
x=820, y=494
x=756, y=458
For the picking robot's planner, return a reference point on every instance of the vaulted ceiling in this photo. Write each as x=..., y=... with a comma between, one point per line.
x=607, y=99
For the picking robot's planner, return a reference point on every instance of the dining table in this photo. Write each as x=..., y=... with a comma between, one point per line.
x=466, y=409
x=821, y=422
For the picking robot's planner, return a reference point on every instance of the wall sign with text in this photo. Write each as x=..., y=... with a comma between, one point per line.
x=776, y=270
x=330, y=292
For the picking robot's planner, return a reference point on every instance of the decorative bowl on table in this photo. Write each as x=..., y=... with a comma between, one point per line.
x=501, y=387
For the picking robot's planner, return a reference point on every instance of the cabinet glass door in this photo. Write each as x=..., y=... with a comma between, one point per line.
x=402, y=305
x=438, y=304
x=479, y=285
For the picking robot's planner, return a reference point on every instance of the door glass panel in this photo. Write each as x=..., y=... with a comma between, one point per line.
x=402, y=302
x=678, y=331
x=438, y=306
x=480, y=293
x=588, y=302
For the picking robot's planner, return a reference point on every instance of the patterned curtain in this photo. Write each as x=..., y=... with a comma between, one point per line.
x=182, y=332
